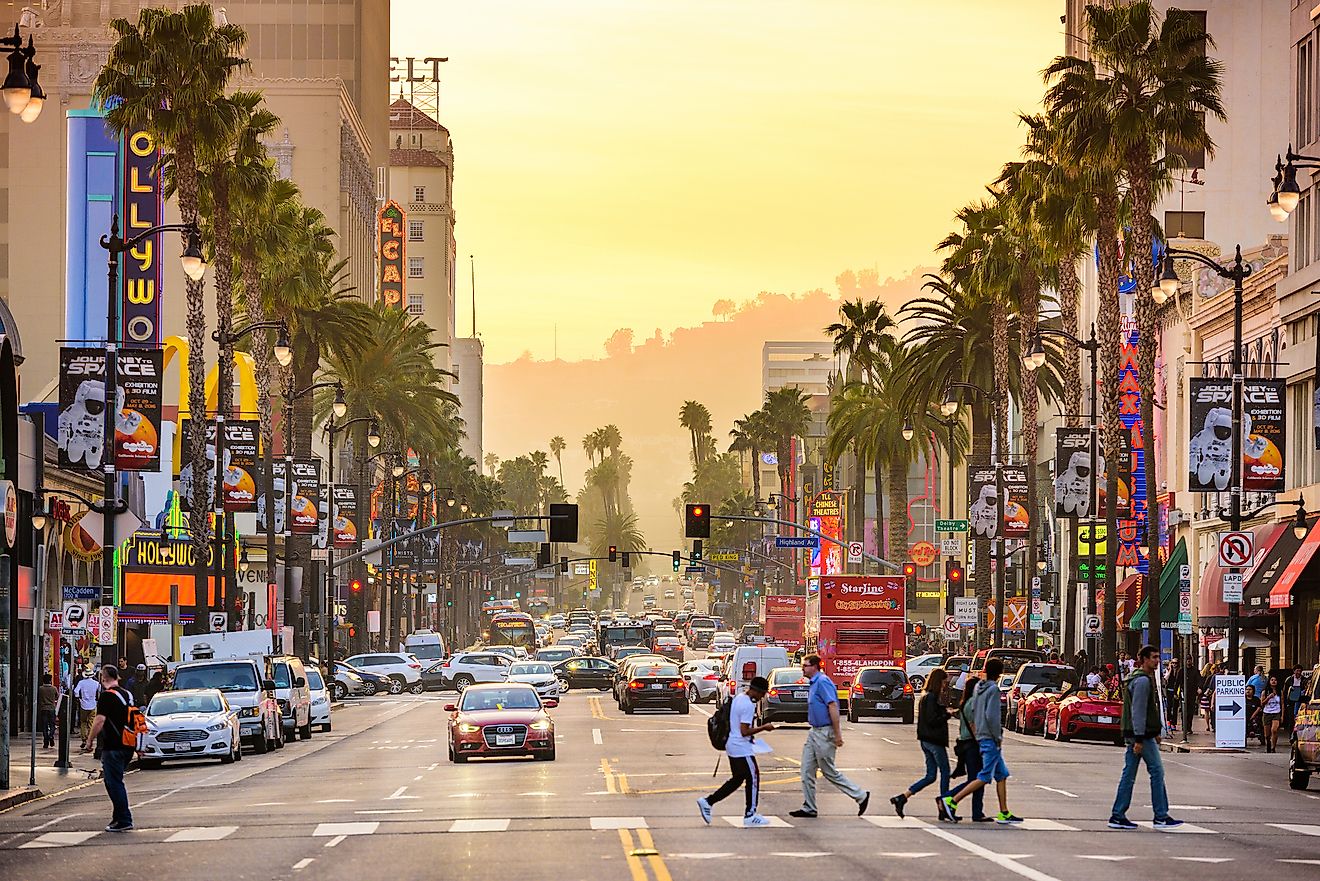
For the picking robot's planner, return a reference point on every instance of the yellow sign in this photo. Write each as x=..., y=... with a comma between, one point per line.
x=1084, y=541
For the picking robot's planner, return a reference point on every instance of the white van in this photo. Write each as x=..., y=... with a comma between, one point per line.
x=749, y=661
x=425, y=645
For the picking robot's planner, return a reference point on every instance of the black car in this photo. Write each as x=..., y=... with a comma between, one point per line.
x=433, y=677
x=376, y=683
x=786, y=701
x=586, y=673
x=657, y=685
x=881, y=691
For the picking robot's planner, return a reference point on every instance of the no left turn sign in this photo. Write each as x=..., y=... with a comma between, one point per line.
x=1235, y=549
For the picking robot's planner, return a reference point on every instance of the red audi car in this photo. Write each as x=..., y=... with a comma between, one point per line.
x=1031, y=710
x=497, y=719
x=1085, y=714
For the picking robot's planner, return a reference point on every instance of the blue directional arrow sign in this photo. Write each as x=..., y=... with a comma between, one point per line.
x=794, y=541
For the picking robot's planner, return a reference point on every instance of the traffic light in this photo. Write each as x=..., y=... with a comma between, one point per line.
x=614, y=553
x=678, y=560
x=627, y=560
x=910, y=581
x=953, y=580
x=563, y=522
x=355, y=586
x=543, y=554
x=919, y=629
x=696, y=521
x=563, y=565
x=696, y=550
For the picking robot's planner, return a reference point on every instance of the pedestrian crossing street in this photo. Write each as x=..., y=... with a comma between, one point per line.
x=338, y=831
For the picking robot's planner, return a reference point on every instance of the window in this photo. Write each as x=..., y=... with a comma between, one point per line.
x=1201, y=15
x=416, y=231
x=415, y=303
x=1191, y=158
x=1305, y=90
x=1302, y=221
x=1184, y=224
x=416, y=267
x=419, y=194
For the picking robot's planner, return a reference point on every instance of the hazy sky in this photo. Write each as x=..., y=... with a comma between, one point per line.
x=625, y=163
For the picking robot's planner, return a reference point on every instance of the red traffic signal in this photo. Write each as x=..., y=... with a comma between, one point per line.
x=909, y=569
x=613, y=553
x=355, y=585
x=953, y=571
x=696, y=521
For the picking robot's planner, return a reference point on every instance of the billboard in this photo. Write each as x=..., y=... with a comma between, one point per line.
x=305, y=496
x=1209, y=459
x=345, y=516
x=392, y=251
x=1072, y=473
x=82, y=392
x=983, y=507
x=826, y=517
x=242, y=446
x=143, y=208
x=1017, y=501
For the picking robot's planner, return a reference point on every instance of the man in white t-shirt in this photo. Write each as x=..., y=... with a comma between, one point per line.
x=86, y=691
x=741, y=750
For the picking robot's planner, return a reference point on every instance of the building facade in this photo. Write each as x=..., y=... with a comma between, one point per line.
x=469, y=364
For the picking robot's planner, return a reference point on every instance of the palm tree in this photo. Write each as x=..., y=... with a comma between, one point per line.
x=492, y=461
x=696, y=419
x=611, y=439
x=859, y=334
x=787, y=417
x=169, y=72
x=557, y=447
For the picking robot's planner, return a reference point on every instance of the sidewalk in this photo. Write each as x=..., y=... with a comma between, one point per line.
x=1201, y=740
x=50, y=780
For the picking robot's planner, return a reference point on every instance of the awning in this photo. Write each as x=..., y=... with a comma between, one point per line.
x=1262, y=577
x=1168, y=590
x=1247, y=639
x=1127, y=599
x=1281, y=593
x=1211, y=610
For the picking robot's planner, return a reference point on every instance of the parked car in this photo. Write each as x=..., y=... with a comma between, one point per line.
x=786, y=701
x=346, y=682
x=1012, y=658
x=1032, y=708
x=881, y=691
x=1028, y=679
x=919, y=668
x=465, y=669
x=703, y=679
x=320, y=706
x=293, y=696
x=496, y=720
x=404, y=670
x=425, y=645
x=193, y=723
x=652, y=685
x=1085, y=713
x=580, y=672
x=249, y=688
x=1304, y=754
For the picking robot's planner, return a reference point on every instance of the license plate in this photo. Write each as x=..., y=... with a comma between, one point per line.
x=504, y=740
x=182, y=747
x=251, y=729
x=658, y=686
x=1106, y=720
x=882, y=705
x=800, y=695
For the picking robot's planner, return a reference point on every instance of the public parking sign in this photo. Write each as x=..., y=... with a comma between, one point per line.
x=1231, y=711
x=1235, y=549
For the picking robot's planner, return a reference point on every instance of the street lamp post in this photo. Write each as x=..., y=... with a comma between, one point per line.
x=950, y=425
x=1167, y=286
x=1034, y=360
x=22, y=92
x=194, y=266
x=331, y=592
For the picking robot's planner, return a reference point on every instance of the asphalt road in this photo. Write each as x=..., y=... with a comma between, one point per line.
x=376, y=799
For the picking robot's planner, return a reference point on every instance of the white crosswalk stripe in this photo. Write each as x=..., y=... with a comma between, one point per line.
x=1298, y=827
x=365, y=827
x=480, y=826
x=775, y=822
x=619, y=823
x=60, y=839
x=202, y=833
x=1184, y=829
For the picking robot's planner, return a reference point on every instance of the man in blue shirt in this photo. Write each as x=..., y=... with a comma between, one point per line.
x=1258, y=680
x=823, y=741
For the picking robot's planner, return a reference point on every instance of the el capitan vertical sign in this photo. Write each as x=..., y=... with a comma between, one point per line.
x=392, y=255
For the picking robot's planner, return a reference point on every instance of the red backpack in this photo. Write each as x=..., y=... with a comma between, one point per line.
x=137, y=721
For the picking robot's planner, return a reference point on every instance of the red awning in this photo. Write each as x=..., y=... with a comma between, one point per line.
x=1210, y=598
x=1281, y=594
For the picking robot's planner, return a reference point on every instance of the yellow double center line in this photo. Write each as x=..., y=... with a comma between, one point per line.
x=615, y=782
x=597, y=709
x=642, y=853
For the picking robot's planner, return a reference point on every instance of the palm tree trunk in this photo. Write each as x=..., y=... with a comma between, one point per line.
x=1028, y=307
x=1108, y=364
x=224, y=310
x=981, y=575
x=881, y=536
x=999, y=343
x=756, y=473
x=1070, y=293
x=261, y=358
x=306, y=358
x=898, y=505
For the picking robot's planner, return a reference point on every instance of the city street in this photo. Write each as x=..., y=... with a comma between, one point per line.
x=377, y=799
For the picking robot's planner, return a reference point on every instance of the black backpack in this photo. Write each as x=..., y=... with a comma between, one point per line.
x=718, y=726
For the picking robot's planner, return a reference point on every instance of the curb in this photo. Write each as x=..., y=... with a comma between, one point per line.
x=1197, y=748
x=15, y=798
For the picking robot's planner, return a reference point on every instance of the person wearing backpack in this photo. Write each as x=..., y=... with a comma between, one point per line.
x=115, y=730
x=738, y=718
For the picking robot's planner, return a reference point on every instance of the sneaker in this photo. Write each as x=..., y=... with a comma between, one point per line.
x=984, y=818
x=951, y=807
x=1007, y=817
x=1167, y=823
x=117, y=827
x=861, y=805
x=942, y=810
x=755, y=820
x=803, y=814
x=704, y=807
x=1121, y=823
x=898, y=801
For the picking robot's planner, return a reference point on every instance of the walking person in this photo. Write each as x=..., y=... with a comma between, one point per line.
x=987, y=727
x=1141, y=730
x=968, y=752
x=1254, y=720
x=933, y=735
x=1271, y=714
x=108, y=728
x=87, y=690
x=823, y=742
x=1173, y=680
x=741, y=751
x=1294, y=692
x=48, y=696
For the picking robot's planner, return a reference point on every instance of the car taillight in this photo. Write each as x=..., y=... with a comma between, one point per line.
x=774, y=692
x=858, y=690
x=1015, y=692
x=907, y=688
x=415, y=666
x=711, y=677
x=678, y=683
x=636, y=686
x=445, y=664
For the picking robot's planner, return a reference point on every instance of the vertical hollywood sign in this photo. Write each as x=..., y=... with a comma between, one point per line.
x=392, y=254
x=142, y=209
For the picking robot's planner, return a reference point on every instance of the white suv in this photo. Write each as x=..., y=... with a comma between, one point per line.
x=470, y=668
x=405, y=670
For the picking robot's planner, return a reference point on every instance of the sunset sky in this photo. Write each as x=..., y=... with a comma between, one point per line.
x=626, y=163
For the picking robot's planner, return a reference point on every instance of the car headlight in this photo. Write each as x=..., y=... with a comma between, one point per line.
x=218, y=726
x=542, y=725
x=468, y=728
x=250, y=712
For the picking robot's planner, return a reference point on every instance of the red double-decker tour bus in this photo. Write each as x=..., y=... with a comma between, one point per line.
x=857, y=621
x=783, y=620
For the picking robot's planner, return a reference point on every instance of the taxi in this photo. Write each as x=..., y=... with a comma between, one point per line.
x=1304, y=756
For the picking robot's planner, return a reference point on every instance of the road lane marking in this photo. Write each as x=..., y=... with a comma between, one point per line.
x=1302, y=862
x=362, y=827
x=1205, y=859
x=479, y=826
x=303, y=863
x=599, y=823
x=802, y=854
x=609, y=777
x=634, y=861
x=1059, y=791
x=392, y=811
x=702, y=856
x=418, y=777
x=1043, y=824
x=50, y=823
x=267, y=804
x=1104, y=857
x=59, y=839
x=202, y=833
x=394, y=796
x=1297, y=827
x=885, y=822
x=1004, y=861
x=887, y=740
x=334, y=801
x=775, y=822
x=657, y=862
x=1184, y=829
x=334, y=841
x=595, y=737
x=908, y=854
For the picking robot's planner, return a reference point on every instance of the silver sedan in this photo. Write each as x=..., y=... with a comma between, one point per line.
x=702, y=678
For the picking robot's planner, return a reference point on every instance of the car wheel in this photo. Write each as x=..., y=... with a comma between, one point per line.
x=684, y=709
x=693, y=695
x=262, y=745
x=396, y=686
x=1299, y=776
x=370, y=689
x=1011, y=722
x=227, y=758
x=907, y=717
x=326, y=727
x=917, y=682
x=462, y=682
x=238, y=751
x=545, y=757
x=1059, y=735
x=627, y=709
x=852, y=716
x=337, y=691
x=305, y=732
x=280, y=739
x=417, y=688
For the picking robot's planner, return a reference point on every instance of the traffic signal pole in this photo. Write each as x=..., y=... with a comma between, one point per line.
x=807, y=529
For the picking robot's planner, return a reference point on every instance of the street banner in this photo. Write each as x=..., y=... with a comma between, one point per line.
x=279, y=506
x=1072, y=473
x=143, y=207
x=186, y=475
x=305, y=496
x=392, y=256
x=983, y=505
x=242, y=443
x=80, y=438
x=1210, y=449
x=345, y=516
x=428, y=552
x=403, y=552
x=1315, y=398
x=1016, y=500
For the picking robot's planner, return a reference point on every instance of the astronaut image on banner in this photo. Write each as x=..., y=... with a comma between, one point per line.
x=279, y=504
x=82, y=425
x=1072, y=487
x=984, y=513
x=186, y=476
x=1210, y=452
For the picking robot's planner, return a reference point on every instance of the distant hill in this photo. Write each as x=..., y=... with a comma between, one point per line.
x=639, y=385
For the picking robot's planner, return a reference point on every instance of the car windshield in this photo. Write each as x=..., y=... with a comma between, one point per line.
x=1012, y=660
x=555, y=654
x=168, y=704
x=427, y=651
x=531, y=670
x=787, y=675
x=476, y=700
x=282, y=676
x=882, y=677
x=1046, y=676
x=226, y=677
x=314, y=679
x=654, y=670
